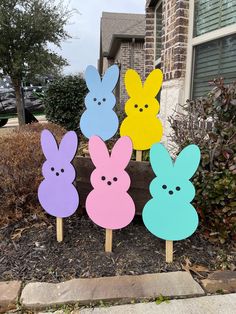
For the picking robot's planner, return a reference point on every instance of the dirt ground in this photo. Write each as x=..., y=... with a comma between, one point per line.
x=29, y=251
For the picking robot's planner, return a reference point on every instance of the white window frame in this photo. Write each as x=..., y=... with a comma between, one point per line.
x=195, y=41
x=158, y=61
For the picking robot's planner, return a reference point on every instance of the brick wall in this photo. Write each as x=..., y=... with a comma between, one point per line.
x=149, y=46
x=174, y=38
x=173, y=55
x=124, y=58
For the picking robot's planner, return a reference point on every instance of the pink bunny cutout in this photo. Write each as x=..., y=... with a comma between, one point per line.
x=108, y=204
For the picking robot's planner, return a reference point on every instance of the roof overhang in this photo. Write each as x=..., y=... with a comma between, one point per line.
x=116, y=41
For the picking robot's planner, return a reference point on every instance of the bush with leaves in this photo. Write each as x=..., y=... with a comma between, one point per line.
x=211, y=123
x=21, y=161
x=64, y=101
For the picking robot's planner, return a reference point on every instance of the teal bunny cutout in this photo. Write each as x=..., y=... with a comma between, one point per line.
x=169, y=214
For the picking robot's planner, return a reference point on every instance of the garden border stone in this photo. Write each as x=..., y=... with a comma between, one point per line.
x=222, y=281
x=9, y=293
x=120, y=289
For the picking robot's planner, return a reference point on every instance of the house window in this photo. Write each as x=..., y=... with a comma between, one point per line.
x=211, y=45
x=214, y=58
x=213, y=14
x=158, y=33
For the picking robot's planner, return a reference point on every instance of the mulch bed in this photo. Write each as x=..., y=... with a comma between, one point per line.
x=33, y=253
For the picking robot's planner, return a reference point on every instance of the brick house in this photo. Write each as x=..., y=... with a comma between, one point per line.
x=122, y=43
x=192, y=41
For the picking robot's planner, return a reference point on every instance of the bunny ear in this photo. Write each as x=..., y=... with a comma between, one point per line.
x=49, y=144
x=68, y=146
x=98, y=151
x=153, y=83
x=110, y=78
x=187, y=161
x=161, y=161
x=122, y=152
x=133, y=83
x=92, y=78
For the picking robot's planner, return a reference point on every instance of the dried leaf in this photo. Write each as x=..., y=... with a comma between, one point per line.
x=18, y=233
x=194, y=268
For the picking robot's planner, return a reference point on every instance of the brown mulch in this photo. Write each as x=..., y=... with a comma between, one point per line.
x=29, y=251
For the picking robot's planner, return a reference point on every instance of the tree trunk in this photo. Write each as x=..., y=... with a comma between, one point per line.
x=19, y=101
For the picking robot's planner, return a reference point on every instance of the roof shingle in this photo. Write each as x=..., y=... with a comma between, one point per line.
x=120, y=24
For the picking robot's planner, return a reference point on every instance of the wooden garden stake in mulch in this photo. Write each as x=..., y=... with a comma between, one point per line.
x=169, y=244
x=138, y=155
x=59, y=229
x=108, y=242
x=169, y=251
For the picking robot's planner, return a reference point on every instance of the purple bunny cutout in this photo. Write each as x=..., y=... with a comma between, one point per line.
x=56, y=193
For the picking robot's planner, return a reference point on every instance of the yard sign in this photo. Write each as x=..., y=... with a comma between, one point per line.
x=109, y=205
x=99, y=117
x=56, y=193
x=169, y=215
x=141, y=123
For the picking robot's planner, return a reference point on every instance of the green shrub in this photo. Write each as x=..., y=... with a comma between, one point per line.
x=64, y=101
x=21, y=161
x=211, y=123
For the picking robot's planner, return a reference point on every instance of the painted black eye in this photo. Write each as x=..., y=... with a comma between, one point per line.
x=146, y=106
x=164, y=187
x=135, y=106
x=178, y=188
x=62, y=170
x=103, y=178
x=95, y=99
x=104, y=99
x=52, y=169
x=115, y=179
x=171, y=192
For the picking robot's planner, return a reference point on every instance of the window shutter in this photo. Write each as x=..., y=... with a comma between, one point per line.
x=213, y=14
x=216, y=58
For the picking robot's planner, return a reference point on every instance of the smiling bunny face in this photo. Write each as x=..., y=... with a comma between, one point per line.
x=172, y=190
x=142, y=102
x=109, y=175
x=109, y=179
x=172, y=184
x=58, y=168
x=100, y=96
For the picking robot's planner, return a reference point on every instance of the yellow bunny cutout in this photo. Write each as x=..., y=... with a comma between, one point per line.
x=141, y=123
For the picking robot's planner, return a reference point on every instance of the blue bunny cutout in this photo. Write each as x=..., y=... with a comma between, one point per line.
x=169, y=214
x=99, y=117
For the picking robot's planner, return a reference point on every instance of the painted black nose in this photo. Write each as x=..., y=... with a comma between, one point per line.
x=171, y=192
x=57, y=174
x=109, y=182
x=99, y=103
x=141, y=110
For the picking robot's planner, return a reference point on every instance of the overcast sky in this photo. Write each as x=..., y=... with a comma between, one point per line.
x=84, y=27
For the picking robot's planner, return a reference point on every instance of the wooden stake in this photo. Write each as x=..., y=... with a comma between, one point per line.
x=59, y=229
x=138, y=155
x=108, y=242
x=169, y=251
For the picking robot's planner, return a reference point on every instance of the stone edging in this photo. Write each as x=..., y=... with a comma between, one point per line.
x=120, y=289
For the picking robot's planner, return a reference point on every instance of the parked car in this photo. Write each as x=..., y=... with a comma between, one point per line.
x=32, y=99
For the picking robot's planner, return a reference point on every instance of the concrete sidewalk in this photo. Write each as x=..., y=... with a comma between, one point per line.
x=217, y=304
